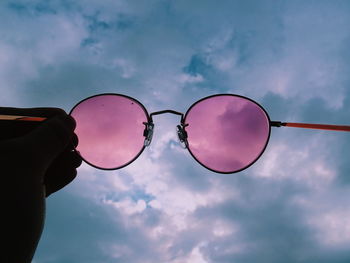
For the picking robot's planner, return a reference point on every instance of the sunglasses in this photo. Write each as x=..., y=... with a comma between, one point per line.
x=225, y=133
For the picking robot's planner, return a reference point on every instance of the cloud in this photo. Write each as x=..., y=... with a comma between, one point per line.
x=291, y=57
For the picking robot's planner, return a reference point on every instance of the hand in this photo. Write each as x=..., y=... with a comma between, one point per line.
x=33, y=156
x=58, y=162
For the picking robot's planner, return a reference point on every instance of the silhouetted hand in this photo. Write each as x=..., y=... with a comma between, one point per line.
x=36, y=159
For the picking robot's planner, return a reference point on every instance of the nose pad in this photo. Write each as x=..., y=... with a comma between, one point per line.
x=182, y=135
x=148, y=133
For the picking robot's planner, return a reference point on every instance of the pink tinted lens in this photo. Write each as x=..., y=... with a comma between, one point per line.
x=110, y=130
x=227, y=133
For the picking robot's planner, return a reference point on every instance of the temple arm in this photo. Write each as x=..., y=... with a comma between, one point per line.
x=21, y=118
x=311, y=126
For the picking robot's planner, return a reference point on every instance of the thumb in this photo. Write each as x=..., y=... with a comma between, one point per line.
x=50, y=138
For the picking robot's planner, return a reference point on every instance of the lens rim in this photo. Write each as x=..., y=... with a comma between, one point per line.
x=120, y=95
x=233, y=95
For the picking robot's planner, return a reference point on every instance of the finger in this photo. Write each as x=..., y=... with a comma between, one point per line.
x=51, y=137
x=75, y=140
x=71, y=146
x=68, y=159
x=36, y=112
x=13, y=129
x=62, y=171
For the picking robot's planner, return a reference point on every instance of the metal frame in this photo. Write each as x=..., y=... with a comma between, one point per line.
x=181, y=129
x=239, y=96
x=120, y=95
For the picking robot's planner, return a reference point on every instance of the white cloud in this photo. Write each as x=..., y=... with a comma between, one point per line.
x=195, y=256
x=328, y=216
x=222, y=228
x=299, y=161
x=333, y=227
x=164, y=207
x=128, y=206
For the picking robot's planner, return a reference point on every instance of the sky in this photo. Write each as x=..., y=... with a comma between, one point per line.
x=292, y=205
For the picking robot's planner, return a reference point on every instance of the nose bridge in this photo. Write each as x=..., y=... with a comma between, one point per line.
x=149, y=127
x=167, y=111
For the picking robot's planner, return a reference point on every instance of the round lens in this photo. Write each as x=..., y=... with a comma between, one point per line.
x=110, y=130
x=227, y=133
